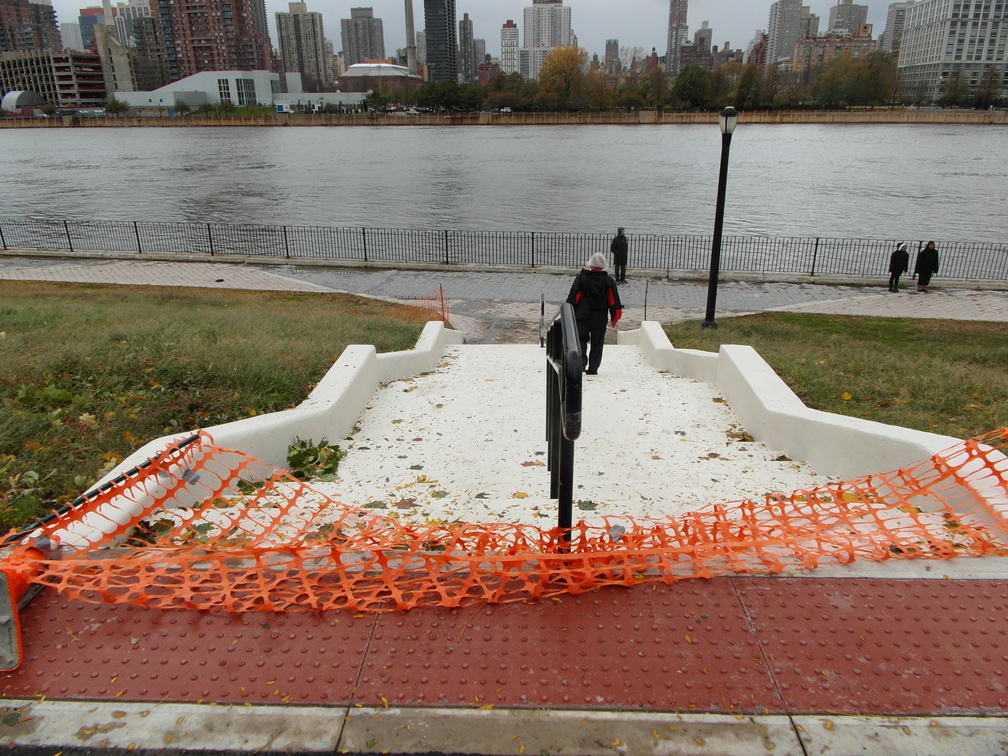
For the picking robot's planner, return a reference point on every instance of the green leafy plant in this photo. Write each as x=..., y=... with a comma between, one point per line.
x=307, y=459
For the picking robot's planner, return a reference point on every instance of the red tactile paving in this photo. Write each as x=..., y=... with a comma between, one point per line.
x=75, y=650
x=884, y=646
x=796, y=645
x=681, y=647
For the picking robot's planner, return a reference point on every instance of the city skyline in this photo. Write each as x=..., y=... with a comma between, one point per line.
x=593, y=21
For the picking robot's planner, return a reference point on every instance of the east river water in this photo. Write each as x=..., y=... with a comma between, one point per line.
x=885, y=182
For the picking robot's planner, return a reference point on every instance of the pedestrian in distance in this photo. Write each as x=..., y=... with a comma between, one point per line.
x=618, y=247
x=595, y=300
x=927, y=266
x=898, y=265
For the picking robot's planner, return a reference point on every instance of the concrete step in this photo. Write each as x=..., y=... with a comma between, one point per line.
x=467, y=442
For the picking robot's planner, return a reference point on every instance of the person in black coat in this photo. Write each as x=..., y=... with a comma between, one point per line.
x=618, y=247
x=927, y=266
x=898, y=264
x=595, y=300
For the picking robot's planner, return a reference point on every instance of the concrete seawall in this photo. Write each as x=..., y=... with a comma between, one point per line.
x=632, y=118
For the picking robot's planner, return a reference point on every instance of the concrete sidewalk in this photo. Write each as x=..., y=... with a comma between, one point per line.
x=903, y=657
x=504, y=307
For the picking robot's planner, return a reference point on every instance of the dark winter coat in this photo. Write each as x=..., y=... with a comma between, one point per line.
x=899, y=262
x=927, y=262
x=594, y=291
x=619, y=248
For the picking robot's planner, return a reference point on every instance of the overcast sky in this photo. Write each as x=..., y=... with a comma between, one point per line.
x=635, y=23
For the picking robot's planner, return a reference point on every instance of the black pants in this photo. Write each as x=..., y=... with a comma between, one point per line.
x=924, y=278
x=894, y=281
x=619, y=266
x=592, y=328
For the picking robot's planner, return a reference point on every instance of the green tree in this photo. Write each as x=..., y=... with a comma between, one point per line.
x=747, y=90
x=116, y=107
x=655, y=88
x=182, y=108
x=693, y=87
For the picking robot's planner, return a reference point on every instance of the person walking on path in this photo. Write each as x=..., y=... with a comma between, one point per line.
x=927, y=266
x=595, y=300
x=618, y=247
x=898, y=264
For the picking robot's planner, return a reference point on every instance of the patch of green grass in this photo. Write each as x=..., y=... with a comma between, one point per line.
x=88, y=373
x=941, y=376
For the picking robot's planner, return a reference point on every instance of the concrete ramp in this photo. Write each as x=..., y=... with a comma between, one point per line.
x=466, y=442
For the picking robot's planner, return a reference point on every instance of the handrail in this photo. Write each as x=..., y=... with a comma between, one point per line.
x=542, y=320
x=563, y=414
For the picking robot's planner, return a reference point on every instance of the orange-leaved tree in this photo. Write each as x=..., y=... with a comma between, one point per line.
x=563, y=72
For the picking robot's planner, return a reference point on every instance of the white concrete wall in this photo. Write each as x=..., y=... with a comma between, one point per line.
x=331, y=409
x=834, y=445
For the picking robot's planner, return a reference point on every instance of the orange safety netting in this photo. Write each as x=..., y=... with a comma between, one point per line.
x=436, y=301
x=205, y=527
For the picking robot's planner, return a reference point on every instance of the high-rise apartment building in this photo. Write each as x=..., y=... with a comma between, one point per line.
x=893, y=34
x=790, y=21
x=363, y=37
x=301, y=37
x=28, y=27
x=847, y=16
x=547, y=25
x=954, y=47
x=467, y=51
x=510, y=44
x=677, y=32
x=230, y=37
x=442, y=41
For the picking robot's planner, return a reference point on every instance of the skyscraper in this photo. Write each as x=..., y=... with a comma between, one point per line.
x=467, y=50
x=677, y=31
x=510, y=45
x=790, y=21
x=442, y=44
x=612, y=61
x=893, y=34
x=363, y=36
x=233, y=38
x=548, y=25
x=847, y=16
x=301, y=37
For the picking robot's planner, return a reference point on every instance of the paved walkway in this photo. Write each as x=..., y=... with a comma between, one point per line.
x=908, y=658
x=501, y=307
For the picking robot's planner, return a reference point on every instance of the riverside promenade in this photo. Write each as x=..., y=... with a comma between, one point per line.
x=907, y=657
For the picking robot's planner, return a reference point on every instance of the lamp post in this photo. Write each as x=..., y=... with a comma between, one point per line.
x=727, y=120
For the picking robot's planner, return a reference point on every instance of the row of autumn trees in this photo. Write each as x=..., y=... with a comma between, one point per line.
x=567, y=82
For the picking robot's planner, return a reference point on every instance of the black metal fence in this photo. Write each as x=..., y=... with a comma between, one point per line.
x=739, y=254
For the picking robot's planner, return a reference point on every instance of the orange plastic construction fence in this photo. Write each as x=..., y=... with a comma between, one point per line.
x=437, y=303
x=205, y=527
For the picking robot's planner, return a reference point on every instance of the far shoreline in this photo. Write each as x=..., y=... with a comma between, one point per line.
x=897, y=116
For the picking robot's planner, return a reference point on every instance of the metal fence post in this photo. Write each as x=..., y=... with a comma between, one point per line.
x=533, y=249
x=66, y=228
x=815, y=253
x=3, y=238
x=286, y=245
x=136, y=232
x=364, y=237
x=210, y=237
x=446, y=247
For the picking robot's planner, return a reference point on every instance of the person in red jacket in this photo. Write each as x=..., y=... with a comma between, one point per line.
x=595, y=300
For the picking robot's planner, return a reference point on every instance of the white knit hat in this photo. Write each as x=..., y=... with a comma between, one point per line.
x=597, y=261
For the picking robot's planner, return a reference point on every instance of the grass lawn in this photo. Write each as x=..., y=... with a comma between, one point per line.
x=90, y=372
x=942, y=376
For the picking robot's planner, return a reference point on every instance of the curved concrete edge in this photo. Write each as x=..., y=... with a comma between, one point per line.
x=769, y=410
x=331, y=409
x=342, y=729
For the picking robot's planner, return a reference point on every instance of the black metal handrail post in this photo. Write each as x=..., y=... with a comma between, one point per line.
x=563, y=414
